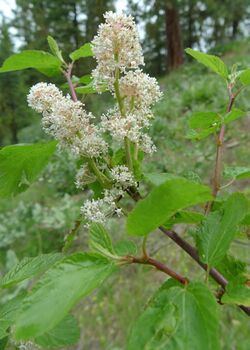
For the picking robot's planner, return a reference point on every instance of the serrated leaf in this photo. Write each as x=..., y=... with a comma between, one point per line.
x=21, y=164
x=42, y=61
x=185, y=217
x=237, y=172
x=219, y=228
x=246, y=220
x=177, y=318
x=58, y=291
x=54, y=48
x=163, y=202
x=233, y=115
x=66, y=333
x=83, y=51
x=210, y=61
x=231, y=267
x=200, y=135
x=237, y=292
x=157, y=179
x=125, y=247
x=3, y=342
x=8, y=313
x=100, y=241
x=29, y=267
x=245, y=77
x=203, y=120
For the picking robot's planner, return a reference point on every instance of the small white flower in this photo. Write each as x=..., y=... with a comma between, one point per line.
x=42, y=96
x=122, y=176
x=141, y=89
x=98, y=210
x=67, y=121
x=116, y=45
x=84, y=176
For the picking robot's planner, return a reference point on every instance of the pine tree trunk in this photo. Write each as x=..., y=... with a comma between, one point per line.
x=173, y=33
x=235, y=27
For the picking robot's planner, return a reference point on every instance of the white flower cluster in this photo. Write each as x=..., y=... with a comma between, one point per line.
x=27, y=346
x=67, y=120
x=118, y=52
x=98, y=210
x=131, y=125
x=84, y=176
x=116, y=45
x=122, y=177
x=119, y=55
x=139, y=90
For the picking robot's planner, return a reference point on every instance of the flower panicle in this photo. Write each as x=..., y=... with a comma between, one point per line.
x=119, y=58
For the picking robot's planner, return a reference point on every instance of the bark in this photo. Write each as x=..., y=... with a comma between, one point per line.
x=173, y=34
x=235, y=28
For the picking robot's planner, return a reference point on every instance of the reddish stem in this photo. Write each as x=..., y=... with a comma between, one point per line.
x=192, y=252
x=188, y=248
x=218, y=161
x=161, y=267
x=67, y=75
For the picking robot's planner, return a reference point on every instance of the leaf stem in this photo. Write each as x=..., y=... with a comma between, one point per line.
x=161, y=267
x=218, y=161
x=144, y=247
x=122, y=111
x=67, y=75
x=192, y=252
x=103, y=179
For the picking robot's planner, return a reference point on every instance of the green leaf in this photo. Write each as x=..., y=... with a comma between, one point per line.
x=233, y=115
x=85, y=90
x=83, y=51
x=90, y=89
x=163, y=202
x=210, y=61
x=185, y=217
x=86, y=79
x=245, y=77
x=42, y=61
x=199, y=135
x=54, y=48
x=237, y=292
x=58, y=291
x=8, y=313
x=157, y=179
x=177, y=318
x=21, y=164
x=66, y=333
x=3, y=342
x=231, y=267
x=237, y=172
x=125, y=247
x=203, y=120
x=100, y=241
x=246, y=220
x=219, y=228
x=29, y=267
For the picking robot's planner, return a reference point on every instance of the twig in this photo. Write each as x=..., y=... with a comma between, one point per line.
x=159, y=266
x=191, y=251
x=188, y=248
x=67, y=75
x=219, y=148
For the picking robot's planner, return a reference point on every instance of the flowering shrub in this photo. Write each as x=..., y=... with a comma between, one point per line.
x=182, y=314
